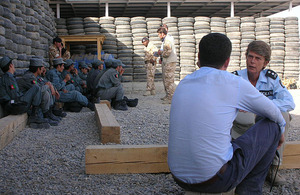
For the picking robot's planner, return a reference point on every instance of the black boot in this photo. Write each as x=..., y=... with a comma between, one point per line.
x=50, y=115
x=59, y=112
x=120, y=105
x=35, y=117
x=91, y=106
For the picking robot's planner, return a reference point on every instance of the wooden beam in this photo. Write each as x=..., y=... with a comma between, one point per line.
x=291, y=155
x=11, y=126
x=111, y=159
x=106, y=102
x=109, y=128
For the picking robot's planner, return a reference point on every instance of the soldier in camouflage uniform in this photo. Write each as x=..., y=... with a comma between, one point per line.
x=150, y=62
x=58, y=51
x=169, y=59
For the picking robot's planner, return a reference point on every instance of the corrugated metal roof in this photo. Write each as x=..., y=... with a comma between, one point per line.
x=179, y=8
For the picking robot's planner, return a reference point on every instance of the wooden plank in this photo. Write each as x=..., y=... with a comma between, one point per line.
x=291, y=155
x=108, y=126
x=106, y=102
x=10, y=126
x=111, y=159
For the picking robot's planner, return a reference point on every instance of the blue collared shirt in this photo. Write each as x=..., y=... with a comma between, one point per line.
x=203, y=109
x=270, y=85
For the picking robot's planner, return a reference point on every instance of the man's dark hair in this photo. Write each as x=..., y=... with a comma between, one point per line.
x=57, y=39
x=6, y=67
x=55, y=66
x=33, y=69
x=214, y=50
x=162, y=30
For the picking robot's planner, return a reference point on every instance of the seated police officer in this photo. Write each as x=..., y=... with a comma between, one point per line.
x=59, y=83
x=29, y=79
x=16, y=102
x=110, y=87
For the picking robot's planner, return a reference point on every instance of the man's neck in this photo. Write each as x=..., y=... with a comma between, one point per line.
x=35, y=74
x=253, y=78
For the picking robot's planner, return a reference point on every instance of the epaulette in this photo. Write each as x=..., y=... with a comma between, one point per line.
x=270, y=73
x=235, y=72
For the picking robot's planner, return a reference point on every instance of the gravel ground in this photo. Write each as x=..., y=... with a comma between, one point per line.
x=52, y=161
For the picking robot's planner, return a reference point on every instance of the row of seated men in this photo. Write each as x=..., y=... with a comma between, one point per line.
x=39, y=90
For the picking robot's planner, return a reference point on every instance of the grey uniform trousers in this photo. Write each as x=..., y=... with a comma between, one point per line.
x=113, y=92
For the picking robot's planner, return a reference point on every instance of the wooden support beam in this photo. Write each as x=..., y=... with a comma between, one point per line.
x=109, y=128
x=10, y=126
x=291, y=156
x=110, y=159
x=106, y=102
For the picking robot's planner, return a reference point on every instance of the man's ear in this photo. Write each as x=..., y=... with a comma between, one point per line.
x=225, y=65
x=265, y=64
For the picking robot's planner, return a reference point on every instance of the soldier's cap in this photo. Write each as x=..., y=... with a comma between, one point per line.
x=145, y=39
x=36, y=62
x=46, y=64
x=89, y=65
x=4, y=61
x=108, y=63
x=116, y=63
x=69, y=62
x=58, y=61
x=84, y=66
x=96, y=63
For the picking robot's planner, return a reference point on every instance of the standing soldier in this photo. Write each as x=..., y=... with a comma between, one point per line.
x=57, y=50
x=150, y=62
x=169, y=59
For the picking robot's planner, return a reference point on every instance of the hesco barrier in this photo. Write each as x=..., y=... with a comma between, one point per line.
x=124, y=36
x=27, y=28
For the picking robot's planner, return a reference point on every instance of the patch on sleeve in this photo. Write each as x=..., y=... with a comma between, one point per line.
x=271, y=74
x=281, y=84
x=117, y=76
x=34, y=82
x=235, y=73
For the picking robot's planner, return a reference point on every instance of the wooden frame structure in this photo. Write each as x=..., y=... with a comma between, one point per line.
x=83, y=39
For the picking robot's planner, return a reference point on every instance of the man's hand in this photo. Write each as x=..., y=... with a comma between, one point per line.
x=65, y=91
x=67, y=78
x=75, y=71
x=122, y=71
x=280, y=141
x=159, y=52
x=57, y=96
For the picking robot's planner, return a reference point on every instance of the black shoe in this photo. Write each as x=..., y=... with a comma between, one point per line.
x=39, y=125
x=52, y=122
x=120, y=105
x=51, y=116
x=59, y=113
x=91, y=106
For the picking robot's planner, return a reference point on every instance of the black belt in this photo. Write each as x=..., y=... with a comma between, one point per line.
x=204, y=183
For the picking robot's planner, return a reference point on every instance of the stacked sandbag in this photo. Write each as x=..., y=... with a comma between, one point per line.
x=277, y=45
x=75, y=26
x=152, y=26
x=108, y=29
x=234, y=34
x=61, y=26
x=91, y=26
x=247, y=36
x=139, y=30
x=26, y=28
x=171, y=22
x=77, y=49
x=124, y=45
x=262, y=29
x=217, y=25
x=187, y=45
x=291, y=60
x=201, y=28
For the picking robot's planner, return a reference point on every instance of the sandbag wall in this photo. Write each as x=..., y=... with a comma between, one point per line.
x=124, y=34
x=27, y=28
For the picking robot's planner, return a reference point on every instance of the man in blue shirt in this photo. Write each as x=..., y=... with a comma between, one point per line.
x=201, y=154
x=266, y=81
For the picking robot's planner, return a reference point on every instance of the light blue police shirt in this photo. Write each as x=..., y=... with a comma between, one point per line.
x=203, y=108
x=270, y=85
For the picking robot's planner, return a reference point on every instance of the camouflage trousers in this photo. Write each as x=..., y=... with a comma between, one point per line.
x=168, y=71
x=150, y=68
